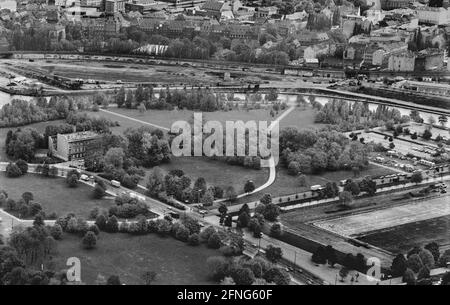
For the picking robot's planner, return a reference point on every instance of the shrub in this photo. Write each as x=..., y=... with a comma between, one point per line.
x=194, y=239
x=13, y=171
x=23, y=166
x=89, y=240
x=214, y=241
x=182, y=233
x=112, y=225
x=56, y=232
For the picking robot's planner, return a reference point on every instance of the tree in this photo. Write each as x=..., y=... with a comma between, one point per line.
x=222, y=209
x=148, y=277
x=319, y=256
x=243, y=220
x=427, y=135
x=99, y=192
x=214, y=241
x=230, y=194
x=207, y=199
x=416, y=177
x=277, y=276
x=427, y=258
x=433, y=247
x=112, y=226
x=113, y=280
x=408, y=277
x=243, y=276
x=218, y=267
x=72, y=178
x=23, y=166
x=446, y=279
x=271, y=212
x=275, y=230
x=249, y=186
x=13, y=171
x=194, y=239
x=101, y=221
x=414, y=263
x=346, y=198
x=89, y=240
x=266, y=199
x=27, y=197
x=343, y=273
x=274, y=254
x=399, y=265
x=424, y=273
x=302, y=180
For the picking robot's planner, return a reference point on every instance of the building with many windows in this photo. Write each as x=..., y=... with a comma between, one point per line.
x=72, y=146
x=433, y=15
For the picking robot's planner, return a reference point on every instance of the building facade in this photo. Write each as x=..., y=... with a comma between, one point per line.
x=403, y=62
x=433, y=15
x=72, y=146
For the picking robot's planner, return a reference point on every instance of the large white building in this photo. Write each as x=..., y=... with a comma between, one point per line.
x=434, y=15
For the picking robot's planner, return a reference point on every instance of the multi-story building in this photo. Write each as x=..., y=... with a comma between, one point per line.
x=402, y=62
x=265, y=12
x=145, y=6
x=72, y=146
x=394, y=4
x=91, y=3
x=430, y=59
x=433, y=15
x=184, y=3
x=114, y=6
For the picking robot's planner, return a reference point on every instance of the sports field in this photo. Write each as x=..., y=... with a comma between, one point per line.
x=401, y=239
x=385, y=218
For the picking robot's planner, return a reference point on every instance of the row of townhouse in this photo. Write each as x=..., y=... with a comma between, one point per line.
x=189, y=28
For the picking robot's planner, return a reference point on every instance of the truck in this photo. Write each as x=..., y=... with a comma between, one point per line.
x=115, y=183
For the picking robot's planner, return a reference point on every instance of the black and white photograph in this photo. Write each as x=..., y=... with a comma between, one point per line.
x=195, y=146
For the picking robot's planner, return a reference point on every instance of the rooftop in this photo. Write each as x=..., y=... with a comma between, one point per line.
x=80, y=136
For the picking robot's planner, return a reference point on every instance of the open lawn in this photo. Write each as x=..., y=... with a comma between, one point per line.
x=166, y=118
x=130, y=256
x=301, y=118
x=40, y=127
x=216, y=172
x=53, y=194
x=403, y=238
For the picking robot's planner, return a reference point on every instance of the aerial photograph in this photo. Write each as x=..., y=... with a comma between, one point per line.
x=199, y=144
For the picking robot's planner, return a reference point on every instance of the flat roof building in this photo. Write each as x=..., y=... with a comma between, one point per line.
x=72, y=146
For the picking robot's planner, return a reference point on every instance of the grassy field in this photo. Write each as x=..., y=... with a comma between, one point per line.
x=403, y=238
x=129, y=256
x=53, y=194
x=301, y=118
x=166, y=118
x=216, y=172
x=40, y=127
